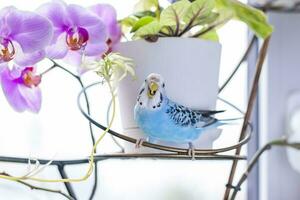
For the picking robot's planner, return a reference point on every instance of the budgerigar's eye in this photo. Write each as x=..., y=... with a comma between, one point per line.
x=163, y=85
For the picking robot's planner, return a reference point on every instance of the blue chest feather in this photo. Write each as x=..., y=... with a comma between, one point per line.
x=171, y=123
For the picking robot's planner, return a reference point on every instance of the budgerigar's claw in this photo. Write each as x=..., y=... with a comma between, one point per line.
x=140, y=142
x=191, y=151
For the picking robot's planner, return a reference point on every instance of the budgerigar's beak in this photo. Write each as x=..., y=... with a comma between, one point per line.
x=153, y=87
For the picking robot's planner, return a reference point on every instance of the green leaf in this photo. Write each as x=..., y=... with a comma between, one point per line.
x=142, y=22
x=172, y=15
x=146, y=5
x=144, y=14
x=150, y=29
x=223, y=18
x=128, y=21
x=254, y=18
x=211, y=35
x=211, y=18
x=198, y=11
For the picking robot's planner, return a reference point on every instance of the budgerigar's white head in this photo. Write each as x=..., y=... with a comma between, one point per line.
x=152, y=93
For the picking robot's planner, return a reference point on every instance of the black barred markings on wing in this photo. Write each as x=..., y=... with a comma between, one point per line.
x=184, y=116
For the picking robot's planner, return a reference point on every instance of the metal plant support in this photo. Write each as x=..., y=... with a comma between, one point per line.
x=169, y=151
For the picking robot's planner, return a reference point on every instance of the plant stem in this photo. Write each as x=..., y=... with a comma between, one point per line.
x=171, y=32
x=107, y=122
x=177, y=22
x=48, y=70
x=209, y=28
x=88, y=111
x=40, y=188
x=204, y=31
x=190, y=24
x=90, y=126
x=95, y=185
x=64, y=69
x=164, y=34
x=254, y=160
x=68, y=186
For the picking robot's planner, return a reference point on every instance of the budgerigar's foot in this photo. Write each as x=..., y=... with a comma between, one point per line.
x=140, y=142
x=191, y=151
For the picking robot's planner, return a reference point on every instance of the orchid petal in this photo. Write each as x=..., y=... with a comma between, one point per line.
x=59, y=49
x=16, y=71
x=95, y=49
x=19, y=96
x=28, y=59
x=32, y=97
x=106, y=12
x=73, y=58
x=5, y=29
x=115, y=33
x=3, y=66
x=33, y=32
x=56, y=12
x=82, y=17
x=12, y=93
x=108, y=15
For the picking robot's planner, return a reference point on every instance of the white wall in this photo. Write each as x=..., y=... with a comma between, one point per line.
x=280, y=78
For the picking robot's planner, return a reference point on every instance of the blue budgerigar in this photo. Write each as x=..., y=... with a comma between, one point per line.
x=162, y=119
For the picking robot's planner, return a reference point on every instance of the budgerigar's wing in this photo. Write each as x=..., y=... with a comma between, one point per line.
x=184, y=116
x=208, y=112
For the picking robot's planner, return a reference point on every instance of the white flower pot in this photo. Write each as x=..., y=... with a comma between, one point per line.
x=189, y=66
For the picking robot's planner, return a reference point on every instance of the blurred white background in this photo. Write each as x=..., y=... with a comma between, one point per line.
x=60, y=131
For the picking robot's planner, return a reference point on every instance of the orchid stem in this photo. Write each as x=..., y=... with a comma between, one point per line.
x=66, y=70
x=68, y=186
x=90, y=124
x=91, y=157
x=48, y=70
x=88, y=110
x=40, y=188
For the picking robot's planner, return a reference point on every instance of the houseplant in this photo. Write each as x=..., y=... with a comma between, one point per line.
x=180, y=41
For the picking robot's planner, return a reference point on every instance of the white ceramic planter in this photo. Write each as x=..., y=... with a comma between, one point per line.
x=189, y=66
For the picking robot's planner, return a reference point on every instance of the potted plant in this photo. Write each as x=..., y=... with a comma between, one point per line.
x=180, y=42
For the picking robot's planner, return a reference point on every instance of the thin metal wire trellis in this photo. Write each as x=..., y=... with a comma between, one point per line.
x=172, y=152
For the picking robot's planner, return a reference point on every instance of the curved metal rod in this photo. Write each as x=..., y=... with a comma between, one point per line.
x=243, y=59
x=233, y=106
x=99, y=158
x=162, y=147
x=251, y=101
x=113, y=137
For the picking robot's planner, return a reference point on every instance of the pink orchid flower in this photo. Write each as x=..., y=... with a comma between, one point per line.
x=21, y=89
x=23, y=38
x=77, y=31
x=108, y=15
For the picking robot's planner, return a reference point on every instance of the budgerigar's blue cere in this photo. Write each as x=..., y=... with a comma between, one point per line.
x=162, y=119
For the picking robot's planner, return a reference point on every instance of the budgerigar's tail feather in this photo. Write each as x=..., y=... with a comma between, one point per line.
x=222, y=122
x=228, y=121
x=231, y=119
